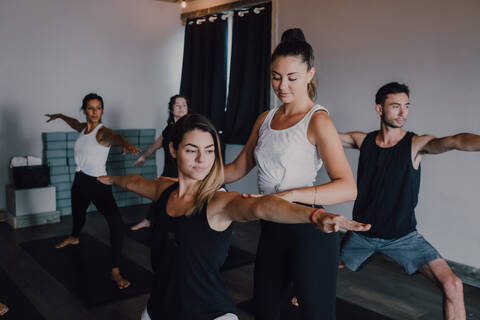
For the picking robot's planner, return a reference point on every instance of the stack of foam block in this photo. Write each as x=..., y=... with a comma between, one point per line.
x=59, y=155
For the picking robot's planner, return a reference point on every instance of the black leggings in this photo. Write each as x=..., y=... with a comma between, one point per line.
x=86, y=189
x=301, y=255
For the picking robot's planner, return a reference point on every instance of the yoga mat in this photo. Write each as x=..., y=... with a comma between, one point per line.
x=85, y=269
x=345, y=311
x=20, y=308
x=236, y=257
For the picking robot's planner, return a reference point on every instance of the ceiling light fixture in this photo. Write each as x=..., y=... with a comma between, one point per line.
x=183, y=4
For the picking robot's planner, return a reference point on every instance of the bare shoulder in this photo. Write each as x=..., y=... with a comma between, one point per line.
x=162, y=184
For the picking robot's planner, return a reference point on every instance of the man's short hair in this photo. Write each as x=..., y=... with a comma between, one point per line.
x=390, y=88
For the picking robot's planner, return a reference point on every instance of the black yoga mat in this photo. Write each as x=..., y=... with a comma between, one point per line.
x=236, y=257
x=345, y=311
x=19, y=306
x=85, y=269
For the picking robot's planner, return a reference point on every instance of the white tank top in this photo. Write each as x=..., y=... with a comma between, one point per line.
x=91, y=156
x=285, y=158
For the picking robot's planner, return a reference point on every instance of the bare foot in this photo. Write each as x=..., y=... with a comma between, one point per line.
x=3, y=309
x=119, y=280
x=341, y=264
x=294, y=302
x=142, y=224
x=67, y=242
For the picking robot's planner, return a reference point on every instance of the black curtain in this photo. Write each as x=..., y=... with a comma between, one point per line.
x=204, y=71
x=249, y=87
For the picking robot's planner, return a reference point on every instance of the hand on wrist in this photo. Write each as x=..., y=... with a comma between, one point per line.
x=314, y=214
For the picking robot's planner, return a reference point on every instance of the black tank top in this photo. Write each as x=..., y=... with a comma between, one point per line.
x=170, y=166
x=388, y=188
x=186, y=257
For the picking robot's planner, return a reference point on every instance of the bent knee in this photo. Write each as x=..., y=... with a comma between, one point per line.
x=452, y=286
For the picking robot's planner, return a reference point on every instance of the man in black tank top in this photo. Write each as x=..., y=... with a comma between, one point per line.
x=388, y=182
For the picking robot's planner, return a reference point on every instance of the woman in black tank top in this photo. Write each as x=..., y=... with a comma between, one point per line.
x=192, y=228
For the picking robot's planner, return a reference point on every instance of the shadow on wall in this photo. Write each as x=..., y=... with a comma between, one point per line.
x=13, y=141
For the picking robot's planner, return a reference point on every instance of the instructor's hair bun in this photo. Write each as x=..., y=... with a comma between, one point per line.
x=294, y=34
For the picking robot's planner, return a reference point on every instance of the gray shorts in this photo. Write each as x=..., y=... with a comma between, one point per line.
x=411, y=251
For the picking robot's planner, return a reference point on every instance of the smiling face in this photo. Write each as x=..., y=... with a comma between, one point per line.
x=93, y=111
x=394, y=111
x=195, y=154
x=290, y=78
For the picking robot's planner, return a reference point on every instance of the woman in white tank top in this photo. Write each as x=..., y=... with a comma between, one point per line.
x=91, y=152
x=289, y=144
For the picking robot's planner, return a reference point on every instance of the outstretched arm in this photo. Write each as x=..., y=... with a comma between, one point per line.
x=155, y=146
x=107, y=137
x=150, y=189
x=244, y=161
x=352, y=139
x=463, y=142
x=74, y=123
x=236, y=208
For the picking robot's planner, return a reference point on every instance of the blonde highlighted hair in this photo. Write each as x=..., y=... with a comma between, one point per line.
x=214, y=179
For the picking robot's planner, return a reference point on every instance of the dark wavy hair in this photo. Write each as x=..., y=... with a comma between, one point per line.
x=293, y=44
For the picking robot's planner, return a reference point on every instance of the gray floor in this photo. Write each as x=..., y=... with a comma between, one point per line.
x=381, y=286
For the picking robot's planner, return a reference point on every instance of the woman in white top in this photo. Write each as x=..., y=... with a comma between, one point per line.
x=91, y=152
x=289, y=144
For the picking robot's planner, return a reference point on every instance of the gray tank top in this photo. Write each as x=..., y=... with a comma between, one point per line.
x=285, y=158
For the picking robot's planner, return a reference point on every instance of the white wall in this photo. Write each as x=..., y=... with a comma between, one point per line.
x=433, y=47
x=53, y=52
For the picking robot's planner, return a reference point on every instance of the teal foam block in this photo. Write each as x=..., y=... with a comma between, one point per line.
x=71, y=161
x=57, y=162
x=122, y=203
x=130, y=132
x=91, y=208
x=60, y=178
x=72, y=169
x=147, y=132
x=149, y=169
x=146, y=140
x=63, y=203
x=58, y=170
x=63, y=194
x=132, y=140
x=146, y=201
x=72, y=135
x=62, y=186
x=116, y=171
x=55, y=145
x=150, y=162
x=70, y=153
x=133, y=170
x=50, y=154
x=54, y=136
x=144, y=148
x=129, y=163
x=70, y=144
x=150, y=176
x=67, y=211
